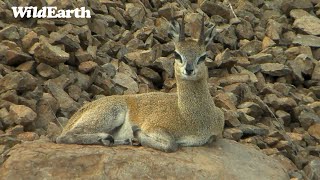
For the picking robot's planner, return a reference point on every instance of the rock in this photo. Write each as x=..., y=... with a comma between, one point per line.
x=231, y=118
x=252, y=47
x=245, y=30
x=309, y=24
x=284, y=103
x=312, y=169
x=225, y=160
x=261, y=58
x=244, y=118
x=47, y=108
x=118, y=16
x=22, y=114
x=234, y=78
x=29, y=40
x=274, y=29
x=14, y=58
x=307, y=118
x=15, y=130
x=215, y=8
x=28, y=66
x=166, y=11
x=251, y=130
x=226, y=101
x=28, y=136
x=136, y=12
x=226, y=59
x=251, y=108
x=126, y=81
x=141, y=57
x=20, y=81
x=316, y=72
x=284, y=116
x=314, y=131
x=5, y=117
x=67, y=105
x=302, y=64
x=10, y=33
x=52, y=55
x=275, y=69
x=232, y=133
x=87, y=66
x=47, y=71
x=288, y=5
x=307, y=40
x=227, y=36
x=150, y=74
x=165, y=64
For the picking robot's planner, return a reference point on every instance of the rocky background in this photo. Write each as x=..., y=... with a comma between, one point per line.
x=263, y=65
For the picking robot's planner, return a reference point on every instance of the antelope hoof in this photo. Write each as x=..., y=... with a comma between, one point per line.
x=107, y=140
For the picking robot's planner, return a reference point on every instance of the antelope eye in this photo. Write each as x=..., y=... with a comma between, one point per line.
x=202, y=58
x=177, y=56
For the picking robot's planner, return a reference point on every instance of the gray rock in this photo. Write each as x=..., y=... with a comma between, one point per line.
x=47, y=107
x=22, y=114
x=227, y=159
x=288, y=5
x=141, y=57
x=10, y=33
x=251, y=130
x=245, y=30
x=253, y=109
x=261, y=58
x=87, y=66
x=47, y=71
x=52, y=55
x=284, y=103
x=275, y=69
x=309, y=24
x=14, y=58
x=314, y=131
x=274, y=29
x=118, y=16
x=67, y=105
x=28, y=66
x=312, y=169
x=307, y=40
x=306, y=119
x=126, y=81
x=316, y=72
x=302, y=64
x=232, y=133
x=252, y=47
x=21, y=81
x=150, y=74
x=215, y=8
x=231, y=118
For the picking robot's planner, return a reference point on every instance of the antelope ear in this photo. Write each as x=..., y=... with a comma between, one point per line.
x=209, y=35
x=174, y=30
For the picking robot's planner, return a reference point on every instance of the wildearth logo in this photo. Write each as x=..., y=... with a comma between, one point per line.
x=50, y=12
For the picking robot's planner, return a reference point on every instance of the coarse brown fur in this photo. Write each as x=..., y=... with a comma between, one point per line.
x=162, y=121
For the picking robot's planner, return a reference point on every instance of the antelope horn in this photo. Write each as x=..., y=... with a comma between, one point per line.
x=182, y=34
x=201, y=36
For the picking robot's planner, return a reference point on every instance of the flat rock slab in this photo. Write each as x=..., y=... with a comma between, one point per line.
x=226, y=159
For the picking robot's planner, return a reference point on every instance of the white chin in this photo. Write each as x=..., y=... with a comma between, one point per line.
x=191, y=77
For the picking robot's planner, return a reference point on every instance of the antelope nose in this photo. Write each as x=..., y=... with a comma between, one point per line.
x=189, y=69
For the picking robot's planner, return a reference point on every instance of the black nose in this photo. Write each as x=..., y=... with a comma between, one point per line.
x=189, y=69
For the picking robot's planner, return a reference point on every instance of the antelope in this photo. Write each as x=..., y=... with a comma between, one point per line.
x=163, y=121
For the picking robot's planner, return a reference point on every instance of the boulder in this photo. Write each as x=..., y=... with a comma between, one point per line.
x=224, y=160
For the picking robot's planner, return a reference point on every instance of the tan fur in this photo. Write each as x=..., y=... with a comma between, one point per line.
x=162, y=121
